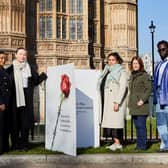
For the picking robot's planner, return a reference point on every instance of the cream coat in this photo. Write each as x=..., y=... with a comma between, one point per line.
x=115, y=92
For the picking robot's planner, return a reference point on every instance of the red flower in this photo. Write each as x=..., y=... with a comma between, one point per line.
x=65, y=88
x=65, y=85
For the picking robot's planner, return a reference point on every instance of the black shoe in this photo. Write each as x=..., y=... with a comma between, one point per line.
x=23, y=149
x=15, y=147
x=6, y=150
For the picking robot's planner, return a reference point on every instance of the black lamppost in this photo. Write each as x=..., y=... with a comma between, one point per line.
x=152, y=30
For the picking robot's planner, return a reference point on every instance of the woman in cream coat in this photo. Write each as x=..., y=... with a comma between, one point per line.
x=112, y=85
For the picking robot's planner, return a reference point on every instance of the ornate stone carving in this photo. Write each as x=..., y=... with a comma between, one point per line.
x=41, y=62
x=4, y=41
x=50, y=62
x=97, y=52
x=17, y=42
x=4, y=5
x=59, y=61
x=45, y=46
x=70, y=48
x=18, y=7
x=119, y=26
x=121, y=1
x=119, y=7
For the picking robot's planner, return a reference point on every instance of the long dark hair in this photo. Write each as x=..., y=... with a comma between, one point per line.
x=139, y=59
x=116, y=56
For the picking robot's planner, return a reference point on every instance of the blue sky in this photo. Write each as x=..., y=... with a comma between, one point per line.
x=156, y=10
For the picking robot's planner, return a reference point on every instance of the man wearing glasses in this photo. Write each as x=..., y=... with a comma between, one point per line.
x=160, y=90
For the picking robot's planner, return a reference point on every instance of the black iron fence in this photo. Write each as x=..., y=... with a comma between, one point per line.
x=130, y=132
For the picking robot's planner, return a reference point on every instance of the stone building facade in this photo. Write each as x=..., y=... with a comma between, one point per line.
x=57, y=32
x=17, y=26
x=114, y=23
x=64, y=31
x=83, y=32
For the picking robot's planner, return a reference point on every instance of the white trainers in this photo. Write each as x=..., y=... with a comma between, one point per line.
x=115, y=147
x=107, y=147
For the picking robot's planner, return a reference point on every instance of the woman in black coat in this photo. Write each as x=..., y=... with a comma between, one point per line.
x=24, y=79
x=5, y=87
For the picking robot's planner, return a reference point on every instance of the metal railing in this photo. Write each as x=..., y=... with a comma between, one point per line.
x=130, y=132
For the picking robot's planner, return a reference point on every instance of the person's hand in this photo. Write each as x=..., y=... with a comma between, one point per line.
x=140, y=103
x=45, y=69
x=116, y=107
x=2, y=107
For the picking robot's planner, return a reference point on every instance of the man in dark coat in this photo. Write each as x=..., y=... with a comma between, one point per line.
x=5, y=87
x=24, y=79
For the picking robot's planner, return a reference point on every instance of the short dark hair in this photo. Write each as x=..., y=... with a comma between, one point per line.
x=140, y=61
x=20, y=48
x=162, y=42
x=2, y=52
x=117, y=57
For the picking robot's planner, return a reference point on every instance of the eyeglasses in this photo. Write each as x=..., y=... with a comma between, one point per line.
x=162, y=49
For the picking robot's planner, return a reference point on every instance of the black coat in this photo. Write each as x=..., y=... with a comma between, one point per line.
x=33, y=81
x=5, y=87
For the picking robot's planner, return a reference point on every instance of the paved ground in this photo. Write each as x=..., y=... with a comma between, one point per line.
x=52, y=165
x=152, y=160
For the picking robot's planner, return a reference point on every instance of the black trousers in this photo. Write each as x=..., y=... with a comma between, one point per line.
x=1, y=130
x=19, y=134
x=114, y=133
x=6, y=131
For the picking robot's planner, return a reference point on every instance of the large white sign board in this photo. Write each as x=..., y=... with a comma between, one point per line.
x=77, y=123
x=60, y=129
x=87, y=108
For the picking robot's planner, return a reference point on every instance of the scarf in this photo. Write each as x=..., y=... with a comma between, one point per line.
x=114, y=74
x=18, y=78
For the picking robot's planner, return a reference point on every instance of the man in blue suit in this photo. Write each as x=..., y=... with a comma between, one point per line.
x=161, y=94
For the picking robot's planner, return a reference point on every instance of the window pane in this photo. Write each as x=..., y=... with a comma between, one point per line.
x=58, y=5
x=49, y=5
x=42, y=5
x=42, y=27
x=79, y=6
x=72, y=6
x=58, y=27
x=64, y=28
x=49, y=27
x=64, y=6
x=79, y=28
x=72, y=28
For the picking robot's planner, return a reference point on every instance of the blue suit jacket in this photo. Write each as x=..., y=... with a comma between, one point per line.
x=163, y=85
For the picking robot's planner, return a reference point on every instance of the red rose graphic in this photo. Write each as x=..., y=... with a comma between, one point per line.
x=65, y=88
x=65, y=85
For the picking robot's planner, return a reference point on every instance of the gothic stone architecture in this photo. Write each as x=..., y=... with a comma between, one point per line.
x=64, y=31
x=17, y=26
x=69, y=31
x=84, y=31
